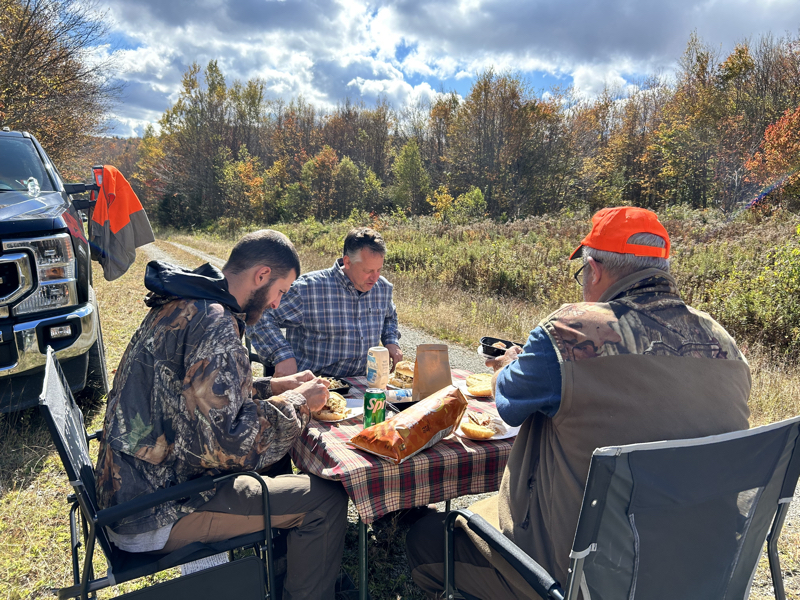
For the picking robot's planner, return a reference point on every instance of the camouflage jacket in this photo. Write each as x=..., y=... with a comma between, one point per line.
x=184, y=402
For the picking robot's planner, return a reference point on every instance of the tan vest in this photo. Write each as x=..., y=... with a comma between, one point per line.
x=639, y=367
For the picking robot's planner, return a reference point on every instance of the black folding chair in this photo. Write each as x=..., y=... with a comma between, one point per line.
x=269, y=368
x=666, y=520
x=65, y=421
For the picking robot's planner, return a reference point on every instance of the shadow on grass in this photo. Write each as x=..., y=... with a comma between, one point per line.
x=388, y=576
x=25, y=443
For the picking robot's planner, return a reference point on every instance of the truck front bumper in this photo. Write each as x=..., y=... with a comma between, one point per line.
x=22, y=359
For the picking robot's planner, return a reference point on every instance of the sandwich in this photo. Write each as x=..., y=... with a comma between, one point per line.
x=403, y=376
x=335, y=409
x=481, y=426
x=479, y=384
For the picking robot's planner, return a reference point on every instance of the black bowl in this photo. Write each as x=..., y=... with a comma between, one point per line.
x=489, y=350
x=343, y=390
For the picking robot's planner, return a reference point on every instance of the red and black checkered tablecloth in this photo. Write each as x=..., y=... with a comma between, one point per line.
x=451, y=468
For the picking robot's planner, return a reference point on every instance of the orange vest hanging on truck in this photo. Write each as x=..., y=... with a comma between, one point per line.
x=119, y=223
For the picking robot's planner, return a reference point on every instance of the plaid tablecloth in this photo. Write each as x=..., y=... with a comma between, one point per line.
x=451, y=468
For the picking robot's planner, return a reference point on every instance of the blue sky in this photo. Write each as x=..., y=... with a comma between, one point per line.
x=409, y=50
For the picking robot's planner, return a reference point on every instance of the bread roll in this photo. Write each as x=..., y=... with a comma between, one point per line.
x=476, y=432
x=335, y=409
x=479, y=384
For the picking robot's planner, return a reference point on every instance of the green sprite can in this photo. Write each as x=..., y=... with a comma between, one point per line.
x=374, y=407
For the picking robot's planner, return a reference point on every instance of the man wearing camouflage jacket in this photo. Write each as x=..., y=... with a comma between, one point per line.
x=184, y=404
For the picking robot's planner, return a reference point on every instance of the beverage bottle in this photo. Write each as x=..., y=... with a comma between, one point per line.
x=378, y=367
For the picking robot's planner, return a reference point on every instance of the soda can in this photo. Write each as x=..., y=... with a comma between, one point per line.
x=374, y=407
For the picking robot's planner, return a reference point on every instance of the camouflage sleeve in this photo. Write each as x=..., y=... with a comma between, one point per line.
x=262, y=387
x=231, y=430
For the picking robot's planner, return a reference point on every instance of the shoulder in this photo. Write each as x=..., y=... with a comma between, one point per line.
x=384, y=284
x=580, y=314
x=313, y=279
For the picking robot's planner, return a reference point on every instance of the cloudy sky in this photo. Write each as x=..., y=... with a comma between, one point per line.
x=406, y=49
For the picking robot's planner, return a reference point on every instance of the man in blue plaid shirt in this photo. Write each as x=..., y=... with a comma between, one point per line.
x=333, y=316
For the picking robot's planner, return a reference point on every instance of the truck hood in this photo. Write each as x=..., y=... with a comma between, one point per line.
x=17, y=205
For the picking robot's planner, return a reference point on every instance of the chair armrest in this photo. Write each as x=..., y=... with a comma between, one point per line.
x=533, y=573
x=176, y=492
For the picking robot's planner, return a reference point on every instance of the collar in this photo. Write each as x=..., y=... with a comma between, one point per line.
x=648, y=281
x=341, y=277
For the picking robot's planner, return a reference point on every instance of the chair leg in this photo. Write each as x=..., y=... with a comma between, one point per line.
x=363, y=592
x=772, y=551
x=449, y=553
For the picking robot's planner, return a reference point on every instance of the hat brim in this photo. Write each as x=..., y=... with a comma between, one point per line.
x=576, y=253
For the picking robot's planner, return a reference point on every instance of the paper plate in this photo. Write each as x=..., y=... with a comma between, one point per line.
x=510, y=433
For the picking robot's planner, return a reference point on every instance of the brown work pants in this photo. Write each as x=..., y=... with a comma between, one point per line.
x=474, y=575
x=313, y=509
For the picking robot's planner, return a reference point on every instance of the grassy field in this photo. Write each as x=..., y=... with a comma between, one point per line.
x=451, y=282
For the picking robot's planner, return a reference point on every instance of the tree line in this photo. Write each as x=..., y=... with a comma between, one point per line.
x=720, y=132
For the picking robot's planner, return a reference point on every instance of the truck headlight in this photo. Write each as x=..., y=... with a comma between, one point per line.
x=55, y=264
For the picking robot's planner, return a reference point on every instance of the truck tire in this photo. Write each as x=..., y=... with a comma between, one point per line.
x=97, y=372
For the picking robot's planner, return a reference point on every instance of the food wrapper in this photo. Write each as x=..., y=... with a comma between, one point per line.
x=418, y=427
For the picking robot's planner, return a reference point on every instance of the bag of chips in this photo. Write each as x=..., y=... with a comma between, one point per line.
x=416, y=428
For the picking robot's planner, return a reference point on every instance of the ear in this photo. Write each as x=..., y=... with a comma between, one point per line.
x=597, y=271
x=346, y=261
x=261, y=275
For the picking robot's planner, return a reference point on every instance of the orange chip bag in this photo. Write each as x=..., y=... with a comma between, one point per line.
x=418, y=427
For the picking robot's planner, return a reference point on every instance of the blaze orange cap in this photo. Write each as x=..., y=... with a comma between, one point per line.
x=611, y=228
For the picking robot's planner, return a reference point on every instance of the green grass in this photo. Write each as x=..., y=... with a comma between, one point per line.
x=457, y=283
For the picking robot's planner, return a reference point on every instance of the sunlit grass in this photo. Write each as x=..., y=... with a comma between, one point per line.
x=34, y=529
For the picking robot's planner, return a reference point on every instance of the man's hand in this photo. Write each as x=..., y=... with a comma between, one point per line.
x=290, y=382
x=315, y=392
x=286, y=367
x=395, y=353
x=507, y=358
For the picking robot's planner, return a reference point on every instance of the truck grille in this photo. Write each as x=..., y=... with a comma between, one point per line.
x=9, y=279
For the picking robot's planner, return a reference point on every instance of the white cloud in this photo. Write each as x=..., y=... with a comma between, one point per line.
x=402, y=49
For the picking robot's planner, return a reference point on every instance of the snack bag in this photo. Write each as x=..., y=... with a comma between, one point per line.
x=416, y=428
x=431, y=370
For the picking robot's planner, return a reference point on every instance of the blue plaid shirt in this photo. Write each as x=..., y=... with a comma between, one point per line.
x=330, y=325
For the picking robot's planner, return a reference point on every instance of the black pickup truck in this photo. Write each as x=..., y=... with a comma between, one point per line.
x=46, y=293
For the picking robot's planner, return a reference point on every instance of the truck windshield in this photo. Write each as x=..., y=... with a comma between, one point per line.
x=19, y=161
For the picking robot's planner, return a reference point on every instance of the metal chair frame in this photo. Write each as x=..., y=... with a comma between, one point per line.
x=548, y=588
x=87, y=522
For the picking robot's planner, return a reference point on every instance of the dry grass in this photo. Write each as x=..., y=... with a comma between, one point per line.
x=34, y=526
x=34, y=529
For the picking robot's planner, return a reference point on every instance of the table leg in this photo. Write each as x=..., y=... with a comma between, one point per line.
x=363, y=594
x=447, y=506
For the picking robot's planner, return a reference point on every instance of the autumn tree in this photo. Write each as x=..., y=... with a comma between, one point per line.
x=411, y=180
x=318, y=177
x=347, y=192
x=48, y=84
x=775, y=168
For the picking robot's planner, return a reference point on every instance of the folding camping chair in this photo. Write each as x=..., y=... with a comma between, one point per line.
x=241, y=578
x=269, y=368
x=666, y=520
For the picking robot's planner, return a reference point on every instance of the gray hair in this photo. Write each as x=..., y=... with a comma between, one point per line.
x=363, y=237
x=621, y=265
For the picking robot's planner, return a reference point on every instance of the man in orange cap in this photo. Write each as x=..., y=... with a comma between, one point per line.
x=631, y=363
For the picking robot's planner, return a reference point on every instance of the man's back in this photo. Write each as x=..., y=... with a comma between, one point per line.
x=641, y=367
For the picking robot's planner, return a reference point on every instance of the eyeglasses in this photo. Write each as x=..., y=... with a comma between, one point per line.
x=577, y=276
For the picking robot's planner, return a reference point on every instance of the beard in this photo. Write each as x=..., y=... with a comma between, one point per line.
x=257, y=303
